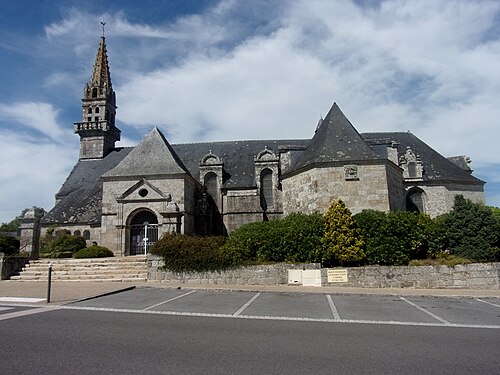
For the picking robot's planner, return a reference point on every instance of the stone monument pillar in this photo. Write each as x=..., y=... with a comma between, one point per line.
x=30, y=234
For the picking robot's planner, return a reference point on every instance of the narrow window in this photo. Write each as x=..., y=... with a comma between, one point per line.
x=211, y=185
x=412, y=169
x=266, y=189
x=90, y=110
x=94, y=92
x=96, y=109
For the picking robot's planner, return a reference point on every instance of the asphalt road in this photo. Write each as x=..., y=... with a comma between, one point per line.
x=173, y=332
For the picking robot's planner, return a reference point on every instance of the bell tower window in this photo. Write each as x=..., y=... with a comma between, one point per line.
x=94, y=92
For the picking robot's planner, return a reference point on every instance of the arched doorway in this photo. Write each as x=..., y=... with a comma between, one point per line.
x=143, y=232
x=415, y=200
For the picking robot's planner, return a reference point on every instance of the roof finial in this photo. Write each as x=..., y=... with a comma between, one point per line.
x=103, y=24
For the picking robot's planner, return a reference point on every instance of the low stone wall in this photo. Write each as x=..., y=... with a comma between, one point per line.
x=469, y=276
x=11, y=265
x=273, y=274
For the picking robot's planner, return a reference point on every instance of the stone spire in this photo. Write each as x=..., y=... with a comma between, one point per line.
x=100, y=76
x=97, y=130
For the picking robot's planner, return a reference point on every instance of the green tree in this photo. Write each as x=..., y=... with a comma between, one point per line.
x=342, y=242
x=472, y=231
x=14, y=224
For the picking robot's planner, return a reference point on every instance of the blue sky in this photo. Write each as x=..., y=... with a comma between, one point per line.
x=225, y=70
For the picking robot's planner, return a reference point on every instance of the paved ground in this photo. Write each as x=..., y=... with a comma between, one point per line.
x=64, y=292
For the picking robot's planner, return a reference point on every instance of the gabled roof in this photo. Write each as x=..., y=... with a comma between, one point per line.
x=336, y=140
x=153, y=156
x=81, y=194
x=436, y=166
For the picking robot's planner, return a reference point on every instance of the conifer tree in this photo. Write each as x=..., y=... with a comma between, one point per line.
x=342, y=241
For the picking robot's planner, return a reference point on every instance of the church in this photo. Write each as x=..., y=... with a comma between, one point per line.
x=125, y=198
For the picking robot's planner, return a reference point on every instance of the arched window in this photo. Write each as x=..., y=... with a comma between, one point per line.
x=94, y=92
x=77, y=233
x=90, y=110
x=86, y=235
x=96, y=109
x=211, y=185
x=415, y=200
x=266, y=189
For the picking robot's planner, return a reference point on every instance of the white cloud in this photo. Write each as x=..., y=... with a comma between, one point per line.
x=32, y=172
x=38, y=116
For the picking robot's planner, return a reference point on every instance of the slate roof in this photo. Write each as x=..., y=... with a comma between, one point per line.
x=335, y=140
x=153, y=156
x=436, y=167
x=81, y=194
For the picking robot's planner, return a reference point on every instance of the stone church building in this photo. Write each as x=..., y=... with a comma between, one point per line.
x=125, y=198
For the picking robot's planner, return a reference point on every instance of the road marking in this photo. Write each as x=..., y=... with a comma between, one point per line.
x=335, y=312
x=18, y=314
x=280, y=318
x=21, y=299
x=168, y=300
x=427, y=312
x=242, y=308
x=5, y=308
x=489, y=303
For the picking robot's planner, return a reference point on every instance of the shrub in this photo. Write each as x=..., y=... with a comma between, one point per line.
x=93, y=251
x=395, y=238
x=472, y=231
x=182, y=253
x=442, y=260
x=342, y=243
x=60, y=243
x=295, y=238
x=9, y=245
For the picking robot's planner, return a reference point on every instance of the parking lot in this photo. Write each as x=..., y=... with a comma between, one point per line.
x=370, y=309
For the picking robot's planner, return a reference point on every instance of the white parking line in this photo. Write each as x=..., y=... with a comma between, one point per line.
x=17, y=314
x=489, y=303
x=168, y=300
x=335, y=312
x=280, y=318
x=5, y=308
x=427, y=312
x=21, y=299
x=242, y=308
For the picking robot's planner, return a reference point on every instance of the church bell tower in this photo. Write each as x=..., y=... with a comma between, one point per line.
x=97, y=129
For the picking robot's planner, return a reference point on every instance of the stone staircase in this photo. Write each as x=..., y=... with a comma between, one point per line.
x=96, y=269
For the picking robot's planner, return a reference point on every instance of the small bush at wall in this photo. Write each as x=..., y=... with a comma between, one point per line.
x=442, y=260
x=93, y=252
x=182, y=253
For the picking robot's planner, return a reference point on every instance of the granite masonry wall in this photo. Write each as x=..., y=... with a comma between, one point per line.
x=11, y=265
x=272, y=274
x=470, y=276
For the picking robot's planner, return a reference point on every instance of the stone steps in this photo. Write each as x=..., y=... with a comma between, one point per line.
x=98, y=269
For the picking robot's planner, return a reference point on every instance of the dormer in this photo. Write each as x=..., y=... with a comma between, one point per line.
x=211, y=171
x=411, y=165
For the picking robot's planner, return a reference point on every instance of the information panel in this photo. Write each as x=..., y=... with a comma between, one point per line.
x=337, y=275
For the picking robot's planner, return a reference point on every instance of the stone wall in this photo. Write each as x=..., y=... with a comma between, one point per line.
x=11, y=265
x=273, y=274
x=470, y=276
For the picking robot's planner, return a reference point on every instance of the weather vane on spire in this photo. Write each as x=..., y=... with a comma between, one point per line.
x=103, y=24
